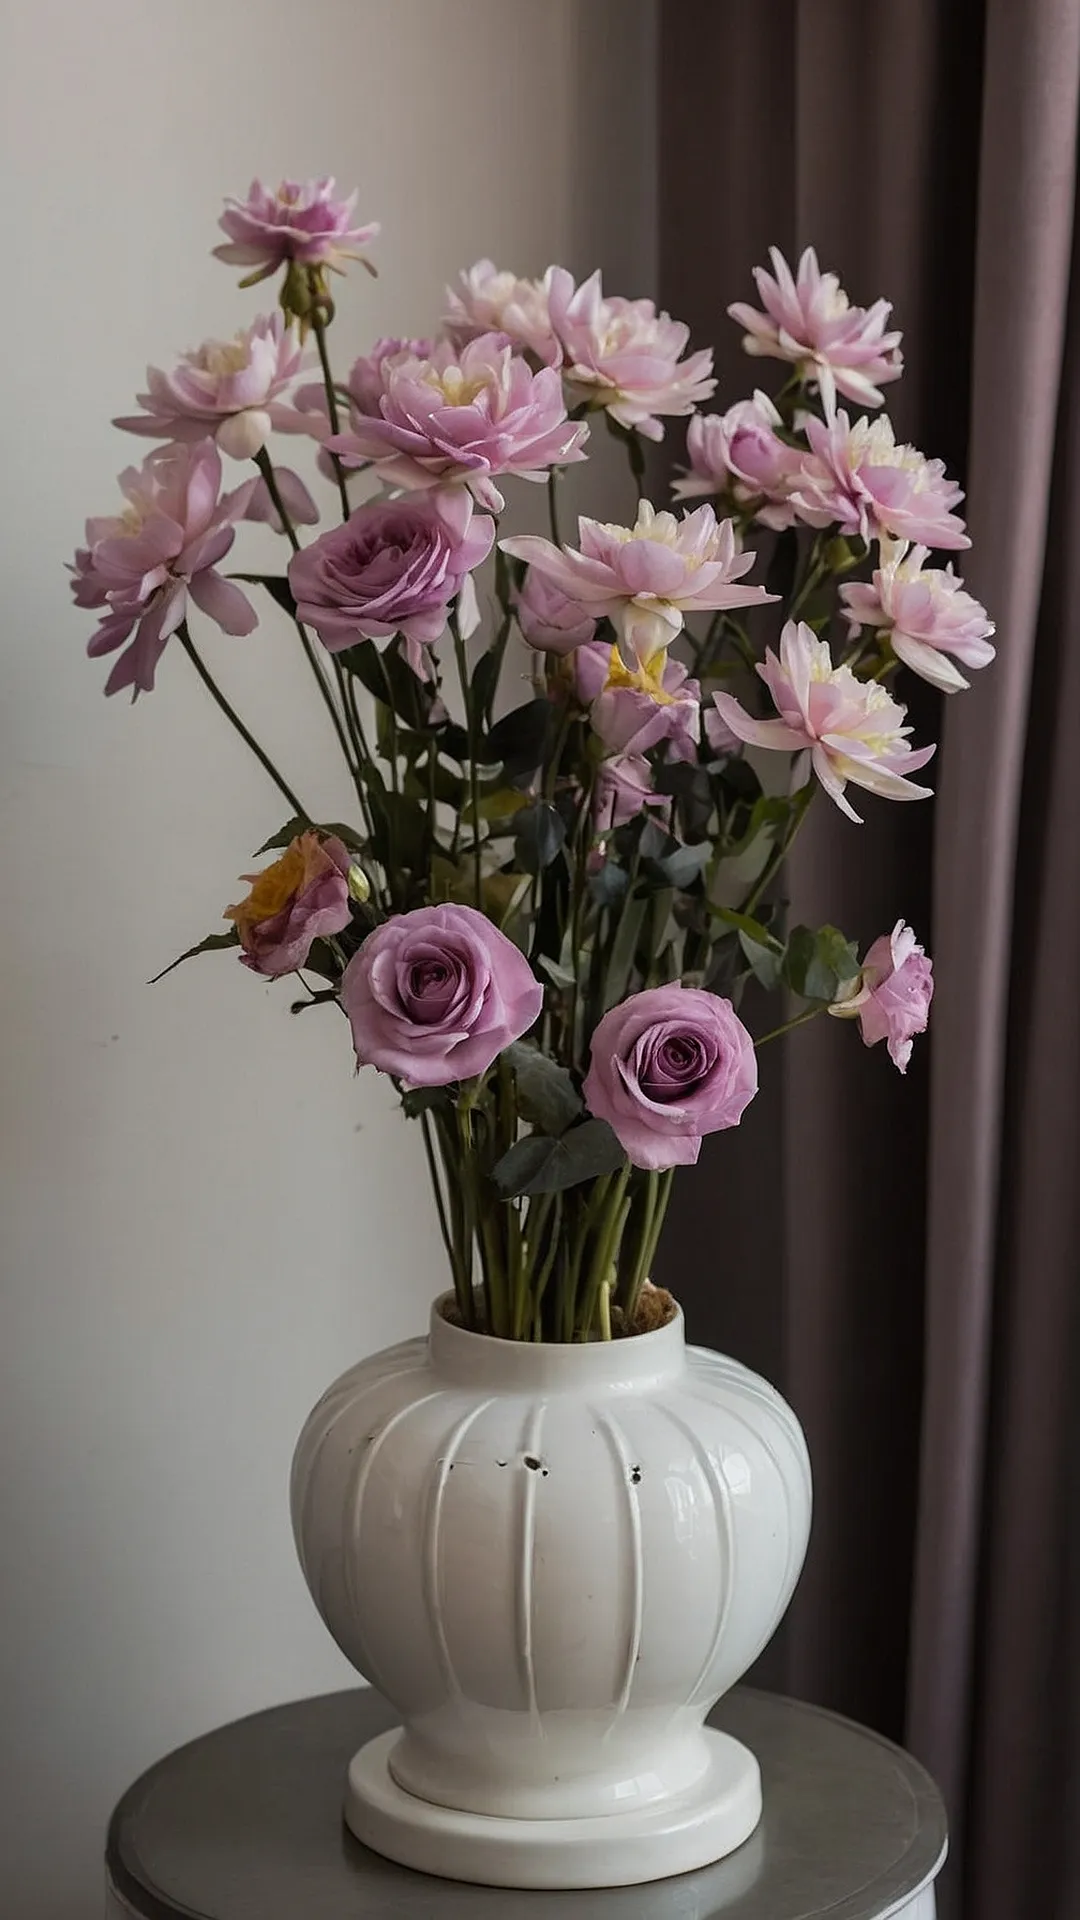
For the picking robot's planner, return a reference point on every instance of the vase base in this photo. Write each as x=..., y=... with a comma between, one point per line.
x=673, y=1836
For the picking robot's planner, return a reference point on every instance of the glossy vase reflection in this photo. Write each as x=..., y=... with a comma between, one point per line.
x=553, y=1560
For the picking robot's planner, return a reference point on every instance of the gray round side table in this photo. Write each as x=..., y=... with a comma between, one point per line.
x=245, y=1824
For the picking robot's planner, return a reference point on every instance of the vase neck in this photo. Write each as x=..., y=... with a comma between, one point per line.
x=520, y=1366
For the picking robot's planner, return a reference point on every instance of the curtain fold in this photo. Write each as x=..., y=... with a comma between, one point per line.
x=900, y=1255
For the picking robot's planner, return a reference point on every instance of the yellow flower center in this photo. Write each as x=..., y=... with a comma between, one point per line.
x=647, y=677
x=224, y=356
x=455, y=386
x=272, y=889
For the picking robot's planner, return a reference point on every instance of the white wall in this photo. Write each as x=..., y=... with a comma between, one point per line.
x=204, y=1217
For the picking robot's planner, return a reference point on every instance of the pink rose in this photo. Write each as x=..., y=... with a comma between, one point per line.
x=741, y=450
x=668, y=1066
x=434, y=996
x=293, y=902
x=393, y=567
x=893, y=1001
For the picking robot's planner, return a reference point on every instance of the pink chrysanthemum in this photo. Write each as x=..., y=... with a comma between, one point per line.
x=809, y=321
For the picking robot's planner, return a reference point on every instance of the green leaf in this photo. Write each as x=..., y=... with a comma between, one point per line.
x=276, y=586
x=402, y=831
x=539, y=834
x=519, y=738
x=211, y=944
x=764, y=964
x=390, y=678
x=753, y=929
x=539, y=1164
x=682, y=866
x=559, y=975
x=817, y=964
x=609, y=886
x=418, y=1100
x=547, y=1096
x=623, y=948
x=298, y=825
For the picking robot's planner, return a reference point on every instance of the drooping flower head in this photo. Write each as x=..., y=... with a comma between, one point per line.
x=225, y=388
x=809, y=321
x=740, y=453
x=892, y=999
x=142, y=563
x=634, y=708
x=624, y=788
x=624, y=356
x=925, y=613
x=293, y=902
x=860, y=478
x=487, y=300
x=668, y=1066
x=853, y=729
x=392, y=568
x=464, y=418
x=647, y=577
x=548, y=620
x=301, y=220
x=435, y=995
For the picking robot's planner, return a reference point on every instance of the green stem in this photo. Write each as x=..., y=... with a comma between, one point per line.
x=800, y=1020
x=474, y=774
x=231, y=714
x=780, y=852
x=462, y=1289
x=318, y=327
x=553, y=503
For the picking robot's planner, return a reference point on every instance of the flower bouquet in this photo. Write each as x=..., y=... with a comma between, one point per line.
x=574, y=763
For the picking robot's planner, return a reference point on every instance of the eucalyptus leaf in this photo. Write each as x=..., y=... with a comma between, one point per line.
x=418, y=1100
x=547, y=1097
x=276, y=586
x=540, y=1164
x=818, y=963
x=539, y=834
x=519, y=738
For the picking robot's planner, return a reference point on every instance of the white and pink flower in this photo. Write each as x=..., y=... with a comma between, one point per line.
x=632, y=709
x=624, y=356
x=648, y=577
x=810, y=322
x=925, y=614
x=852, y=729
x=856, y=476
x=302, y=220
x=740, y=452
x=488, y=300
x=142, y=564
x=892, y=999
x=225, y=388
x=463, y=418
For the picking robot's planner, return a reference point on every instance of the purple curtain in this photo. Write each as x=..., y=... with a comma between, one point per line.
x=900, y=1255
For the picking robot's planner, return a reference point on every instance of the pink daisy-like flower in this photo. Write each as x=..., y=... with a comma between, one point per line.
x=142, y=564
x=648, y=577
x=926, y=614
x=852, y=729
x=487, y=300
x=741, y=452
x=624, y=356
x=809, y=321
x=302, y=220
x=857, y=477
x=226, y=388
x=463, y=418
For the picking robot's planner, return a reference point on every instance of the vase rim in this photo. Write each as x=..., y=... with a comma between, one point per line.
x=628, y=1363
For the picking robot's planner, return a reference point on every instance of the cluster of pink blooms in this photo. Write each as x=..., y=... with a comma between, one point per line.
x=441, y=425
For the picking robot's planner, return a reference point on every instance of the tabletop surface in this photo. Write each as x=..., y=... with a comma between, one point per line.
x=245, y=1824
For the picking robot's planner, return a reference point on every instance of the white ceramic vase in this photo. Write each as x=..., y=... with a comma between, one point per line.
x=552, y=1560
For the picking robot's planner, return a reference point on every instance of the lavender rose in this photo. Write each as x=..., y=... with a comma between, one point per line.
x=434, y=996
x=292, y=902
x=393, y=567
x=668, y=1066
